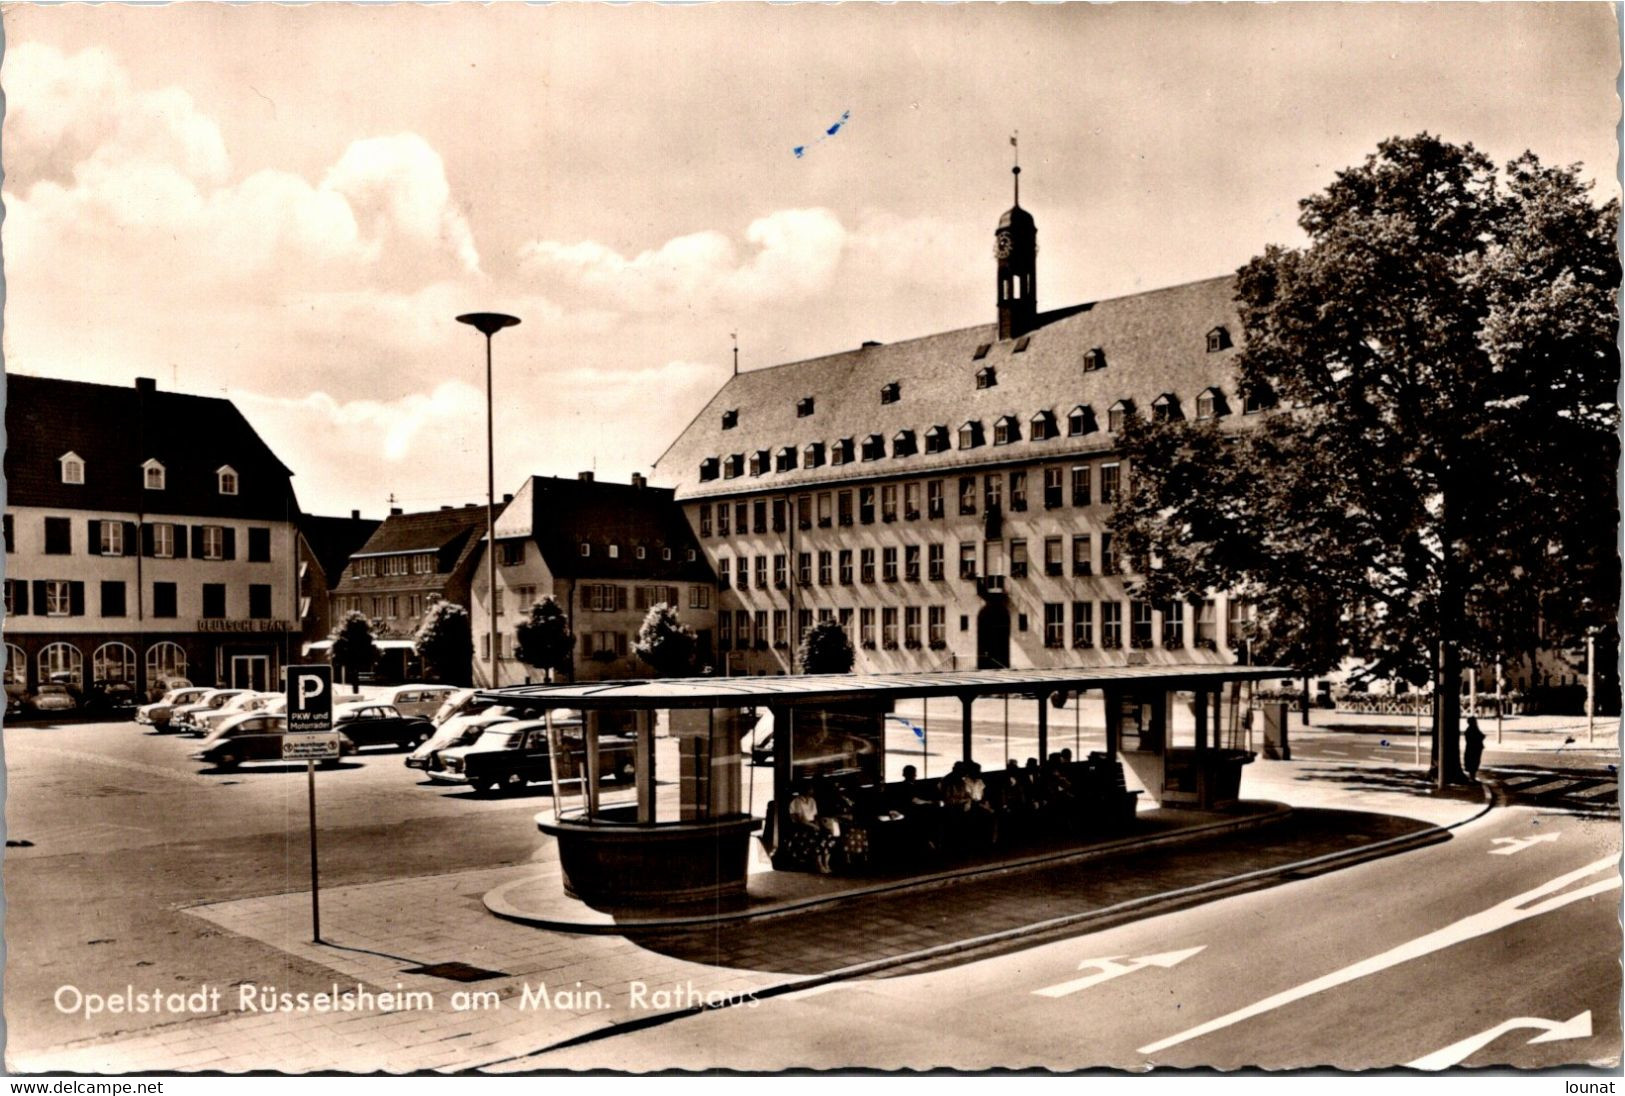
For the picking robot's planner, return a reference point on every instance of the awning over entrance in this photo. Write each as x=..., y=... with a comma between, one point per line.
x=317, y=647
x=804, y=689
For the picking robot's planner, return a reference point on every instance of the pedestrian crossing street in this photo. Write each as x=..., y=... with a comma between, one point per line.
x=1595, y=792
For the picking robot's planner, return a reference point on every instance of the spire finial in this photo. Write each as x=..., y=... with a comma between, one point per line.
x=1015, y=171
x=734, y=335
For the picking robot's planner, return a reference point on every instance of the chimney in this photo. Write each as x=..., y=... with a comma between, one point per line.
x=639, y=480
x=395, y=511
x=507, y=497
x=584, y=477
x=445, y=506
x=355, y=515
x=868, y=343
x=146, y=385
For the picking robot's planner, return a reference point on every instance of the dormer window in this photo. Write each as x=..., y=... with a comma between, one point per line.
x=936, y=439
x=730, y=419
x=226, y=477
x=1094, y=359
x=1165, y=408
x=152, y=475
x=987, y=377
x=1021, y=345
x=843, y=451
x=903, y=444
x=970, y=435
x=586, y=549
x=73, y=468
x=735, y=466
x=1210, y=404
x=804, y=407
x=874, y=447
x=1080, y=421
x=1118, y=414
x=709, y=468
x=891, y=393
x=787, y=459
x=1006, y=430
x=981, y=352
x=1042, y=427
x=760, y=462
x=614, y=551
x=813, y=455
x=1218, y=339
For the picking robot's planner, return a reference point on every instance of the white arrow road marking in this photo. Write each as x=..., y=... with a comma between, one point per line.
x=1512, y=845
x=1109, y=968
x=1549, y=786
x=1550, y=1032
x=1600, y=789
x=1499, y=916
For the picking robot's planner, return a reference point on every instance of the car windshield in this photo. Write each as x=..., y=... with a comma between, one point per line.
x=499, y=740
x=52, y=689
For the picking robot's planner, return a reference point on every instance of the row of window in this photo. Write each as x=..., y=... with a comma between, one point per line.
x=971, y=434
x=154, y=476
x=1094, y=359
x=835, y=568
x=609, y=598
x=417, y=563
x=111, y=663
x=409, y=607
x=1143, y=623
x=154, y=540
x=613, y=551
x=66, y=597
x=1073, y=485
x=745, y=629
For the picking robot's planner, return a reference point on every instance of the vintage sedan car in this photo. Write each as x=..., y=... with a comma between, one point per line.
x=186, y=719
x=423, y=700
x=461, y=702
x=380, y=725
x=462, y=730
x=158, y=713
x=510, y=756
x=54, y=698
x=253, y=736
x=231, y=709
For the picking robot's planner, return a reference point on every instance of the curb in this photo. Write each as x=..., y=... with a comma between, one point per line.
x=1093, y=920
x=496, y=900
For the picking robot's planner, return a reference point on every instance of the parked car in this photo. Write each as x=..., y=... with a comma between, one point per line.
x=254, y=736
x=158, y=713
x=231, y=709
x=423, y=700
x=458, y=703
x=510, y=756
x=185, y=719
x=460, y=730
x=54, y=698
x=381, y=725
x=108, y=697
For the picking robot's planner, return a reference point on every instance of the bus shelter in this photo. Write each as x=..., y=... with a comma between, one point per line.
x=1180, y=729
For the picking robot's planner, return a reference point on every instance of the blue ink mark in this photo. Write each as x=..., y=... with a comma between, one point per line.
x=846, y=115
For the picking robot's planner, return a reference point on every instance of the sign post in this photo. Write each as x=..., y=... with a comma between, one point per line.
x=310, y=736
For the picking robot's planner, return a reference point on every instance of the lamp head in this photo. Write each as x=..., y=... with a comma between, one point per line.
x=488, y=323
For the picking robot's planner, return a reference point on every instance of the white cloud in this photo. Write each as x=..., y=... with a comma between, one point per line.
x=791, y=254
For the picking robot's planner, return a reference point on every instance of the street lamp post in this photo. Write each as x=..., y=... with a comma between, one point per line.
x=488, y=324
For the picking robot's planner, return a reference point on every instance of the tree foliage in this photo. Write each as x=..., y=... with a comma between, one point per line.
x=825, y=649
x=354, y=651
x=543, y=638
x=445, y=644
x=666, y=643
x=1440, y=481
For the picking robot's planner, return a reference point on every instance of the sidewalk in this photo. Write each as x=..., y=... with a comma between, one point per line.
x=555, y=986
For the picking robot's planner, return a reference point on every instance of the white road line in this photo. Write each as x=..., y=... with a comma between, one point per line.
x=1496, y=917
x=1550, y=786
x=1600, y=789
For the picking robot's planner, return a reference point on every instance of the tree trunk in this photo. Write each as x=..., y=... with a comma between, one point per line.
x=1305, y=706
x=1447, y=679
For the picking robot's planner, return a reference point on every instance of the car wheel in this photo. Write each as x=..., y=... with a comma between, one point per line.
x=514, y=782
x=421, y=738
x=227, y=761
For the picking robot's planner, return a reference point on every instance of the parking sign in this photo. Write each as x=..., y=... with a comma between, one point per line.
x=310, y=699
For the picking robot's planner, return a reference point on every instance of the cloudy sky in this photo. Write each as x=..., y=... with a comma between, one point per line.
x=288, y=206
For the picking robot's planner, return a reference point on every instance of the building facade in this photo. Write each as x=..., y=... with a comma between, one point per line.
x=325, y=547
x=607, y=553
x=947, y=498
x=149, y=536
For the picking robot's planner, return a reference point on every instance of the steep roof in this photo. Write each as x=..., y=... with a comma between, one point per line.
x=430, y=531
x=561, y=515
x=116, y=430
x=333, y=540
x=1153, y=343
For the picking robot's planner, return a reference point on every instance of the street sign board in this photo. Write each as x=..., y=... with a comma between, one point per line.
x=310, y=700
x=309, y=747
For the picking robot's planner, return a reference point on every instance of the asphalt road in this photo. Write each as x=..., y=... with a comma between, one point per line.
x=1455, y=954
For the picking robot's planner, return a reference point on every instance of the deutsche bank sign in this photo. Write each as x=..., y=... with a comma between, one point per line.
x=310, y=699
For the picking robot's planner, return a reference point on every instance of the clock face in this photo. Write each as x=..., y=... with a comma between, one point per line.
x=1001, y=246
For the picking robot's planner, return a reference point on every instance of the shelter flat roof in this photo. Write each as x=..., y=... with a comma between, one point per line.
x=808, y=689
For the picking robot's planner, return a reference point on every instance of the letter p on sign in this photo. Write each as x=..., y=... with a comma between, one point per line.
x=310, y=699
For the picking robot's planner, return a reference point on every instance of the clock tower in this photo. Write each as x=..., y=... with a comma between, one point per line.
x=1015, y=253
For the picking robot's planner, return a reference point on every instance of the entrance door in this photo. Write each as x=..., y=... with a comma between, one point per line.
x=251, y=672
x=993, y=638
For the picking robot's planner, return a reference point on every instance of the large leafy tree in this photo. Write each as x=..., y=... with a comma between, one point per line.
x=825, y=649
x=1438, y=482
x=354, y=651
x=445, y=644
x=544, y=639
x=667, y=644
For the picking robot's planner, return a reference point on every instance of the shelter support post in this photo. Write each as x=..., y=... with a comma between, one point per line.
x=1043, y=727
x=645, y=762
x=966, y=703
